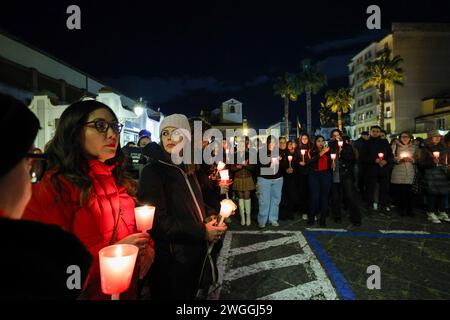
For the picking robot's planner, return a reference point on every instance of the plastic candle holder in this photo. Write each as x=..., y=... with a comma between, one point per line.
x=144, y=217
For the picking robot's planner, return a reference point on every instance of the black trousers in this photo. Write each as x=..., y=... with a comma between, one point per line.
x=403, y=197
x=344, y=192
x=303, y=193
x=289, y=197
x=383, y=190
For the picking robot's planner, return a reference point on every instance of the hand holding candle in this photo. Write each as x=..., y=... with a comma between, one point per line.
x=144, y=218
x=333, y=157
x=220, y=166
x=116, y=268
x=290, y=161
x=224, y=176
x=303, y=151
x=436, y=155
x=227, y=208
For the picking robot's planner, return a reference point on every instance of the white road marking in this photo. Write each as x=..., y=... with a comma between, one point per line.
x=319, y=286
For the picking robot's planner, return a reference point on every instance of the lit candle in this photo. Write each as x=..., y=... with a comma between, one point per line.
x=303, y=151
x=340, y=143
x=116, y=268
x=403, y=155
x=227, y=208
x=436, y=154
x=220, y=166
x=144, y=218
x=224, y=175
x=381, y=155
x=290, y=161
x=333, y=157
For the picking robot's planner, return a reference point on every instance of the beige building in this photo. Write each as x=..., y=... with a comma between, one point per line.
x=425, y=49
x=434, y=114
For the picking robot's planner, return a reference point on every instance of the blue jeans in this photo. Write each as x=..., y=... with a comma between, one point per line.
x=319, y=186
x=269, y=199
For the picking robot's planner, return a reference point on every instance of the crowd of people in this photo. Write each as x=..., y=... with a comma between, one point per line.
x=79, y=197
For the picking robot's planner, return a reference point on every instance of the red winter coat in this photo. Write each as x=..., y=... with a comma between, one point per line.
x=92, y=223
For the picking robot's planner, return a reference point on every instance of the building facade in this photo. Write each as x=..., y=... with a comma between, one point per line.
x=425, y=49
x=49, y=85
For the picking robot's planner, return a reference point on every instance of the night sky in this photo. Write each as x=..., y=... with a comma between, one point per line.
x=182, y=56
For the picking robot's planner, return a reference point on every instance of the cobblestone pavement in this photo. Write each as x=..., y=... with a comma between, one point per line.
x=295, y=262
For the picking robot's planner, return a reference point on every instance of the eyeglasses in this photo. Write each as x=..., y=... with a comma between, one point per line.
x=38, y=166
x=102, y=126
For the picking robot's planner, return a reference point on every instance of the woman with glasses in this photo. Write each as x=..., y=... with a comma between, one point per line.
x=403, y=173
x=36, y=256
x=86, y=191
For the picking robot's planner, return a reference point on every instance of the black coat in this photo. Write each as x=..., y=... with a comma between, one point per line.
x=35, y=261
x=434, y=178
x=178, y=229
x=369, y=154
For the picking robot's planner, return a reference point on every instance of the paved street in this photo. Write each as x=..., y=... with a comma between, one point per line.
x=296, y=262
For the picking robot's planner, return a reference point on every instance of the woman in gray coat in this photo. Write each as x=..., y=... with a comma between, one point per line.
x=433, y=162
x=403, y=172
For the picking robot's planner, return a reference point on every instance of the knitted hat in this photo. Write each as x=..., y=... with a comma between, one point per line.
x=179, y=121
x=434, y=133
x=15, y=118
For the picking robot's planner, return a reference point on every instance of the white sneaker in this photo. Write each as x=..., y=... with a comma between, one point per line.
x=443, y=216
x=432, y=217
x=388, y=209
x=275, y=224
x=305, y=217
x=375, y=206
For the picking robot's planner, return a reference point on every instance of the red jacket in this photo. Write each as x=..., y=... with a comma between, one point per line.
x=92, y=223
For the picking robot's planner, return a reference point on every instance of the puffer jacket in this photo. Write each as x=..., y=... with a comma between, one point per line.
x=94, y=222
x=403, y=172
x=434, y=179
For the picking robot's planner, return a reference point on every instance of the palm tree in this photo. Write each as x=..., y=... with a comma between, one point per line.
x=381, y=73
x=289, y=89
x=312, y=81
x=339, y=102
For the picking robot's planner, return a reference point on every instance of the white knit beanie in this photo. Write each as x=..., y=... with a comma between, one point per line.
x=179, y=121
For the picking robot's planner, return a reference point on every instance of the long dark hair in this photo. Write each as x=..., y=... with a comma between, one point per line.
x=67, y=157
x=315, y=142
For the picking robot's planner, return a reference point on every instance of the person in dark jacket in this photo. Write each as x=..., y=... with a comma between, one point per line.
x=433, y=162
x=290, y=191
x=343, y=184
x=320, y=180
x=377, y=155
x=181, y=230
x=360, y=168
x=270, y=183
x=38, y=260
x=304, y=149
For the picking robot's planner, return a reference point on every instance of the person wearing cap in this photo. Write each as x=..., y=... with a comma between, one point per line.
x=86, y=191
x=36, y=257
x=433, y=162
x=180, y=230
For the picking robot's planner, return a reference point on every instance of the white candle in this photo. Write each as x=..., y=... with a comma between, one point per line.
x=224, y=175
x=290, y=161
x=333, y=156
x=403, y=155
x=227, y=207
x=220, y=166
x=436, y=154
x=381, y=155
x=144, y=217
x=116, y=268
x=303, y=151
x=340, y=143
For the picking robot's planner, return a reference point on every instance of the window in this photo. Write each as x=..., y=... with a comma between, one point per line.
x=388, y=127
x=388, y=112
x=232, y=109
x=440, y=124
